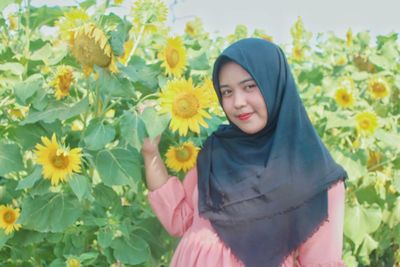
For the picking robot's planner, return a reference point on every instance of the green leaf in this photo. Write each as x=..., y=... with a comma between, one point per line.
x=313, y=76
x=31, y=179
x=13, y=67
x=114, y=84
x=10, y=158
x=355, y=169
x=155, y=123
x=86, y=4
x=50, y=212
x=133, y=129
x=29, y=135
x=200, y=62
x=142, y=75
x=80, y=185
x=105, y=196
x=26, y=89
x=60, y=112
x=368, y=245
x=105, y=237
x=97, y=134
x=334, y=120
x=57, y=263
x=43, y=15
x=4, y=238
x=360, y=221
x=119, y=166
x=5, y=3
x=391, y=139
x=42, y=53
x=131, y=251
x=118, y=38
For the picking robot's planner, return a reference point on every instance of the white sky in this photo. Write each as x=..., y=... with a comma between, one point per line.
x=276, y=17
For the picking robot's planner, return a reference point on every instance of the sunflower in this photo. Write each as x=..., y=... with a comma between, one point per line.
x=71, y=20
x=208, y=88
x=13, y=22
x=62, y=82
x=297, y=31
x=89, y=45
x=349, y=38
x=367, y=122
x=374, y=160
x=128, y=46
x=378, y=87
x=182, y=157
x=173, y=57
x=298, y=52
x=149, y=11
x=186, y=104
x=8, y=218
x=58, y=162
x=194, y=27
x=73, y=262
x=341, y=61
x=344, y=98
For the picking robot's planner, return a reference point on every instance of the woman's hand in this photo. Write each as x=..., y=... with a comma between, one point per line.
x=150, y=146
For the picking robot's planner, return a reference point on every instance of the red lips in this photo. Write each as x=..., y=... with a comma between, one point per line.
x=244, y=116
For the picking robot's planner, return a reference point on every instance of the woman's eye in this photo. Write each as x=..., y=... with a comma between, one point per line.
x=250, y=86
x=226, y=92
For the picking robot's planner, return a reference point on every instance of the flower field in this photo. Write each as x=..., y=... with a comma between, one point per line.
x=76, y=106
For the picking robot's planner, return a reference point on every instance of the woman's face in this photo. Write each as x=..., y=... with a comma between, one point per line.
x=241, y=98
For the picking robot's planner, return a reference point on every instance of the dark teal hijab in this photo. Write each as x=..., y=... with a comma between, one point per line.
x=265, y=193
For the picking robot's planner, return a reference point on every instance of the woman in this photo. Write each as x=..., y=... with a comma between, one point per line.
x=265, y=191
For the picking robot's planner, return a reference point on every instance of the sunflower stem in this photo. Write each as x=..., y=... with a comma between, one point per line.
x=137, y=41
x=27, y=34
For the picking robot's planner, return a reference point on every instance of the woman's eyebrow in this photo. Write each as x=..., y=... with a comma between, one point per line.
x=241, y=82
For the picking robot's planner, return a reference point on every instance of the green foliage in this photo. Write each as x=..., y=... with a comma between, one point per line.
x=100, y=215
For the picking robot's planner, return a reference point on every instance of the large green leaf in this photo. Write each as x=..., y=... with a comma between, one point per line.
x=131, y=251
x=3, y=238
x=10, y=158
x=26, y=89
x=98, y=134
x=50, y=212
x=355, y=169
x=5, y=3
x=114, y=84
x=155, y=123
x=133, y=129
x=360, y=221
x=200, y=62
x=119, y=166
x=13, y=67
x=335, y=120
x=80, y=185
x=31, y=179
x=60, y=112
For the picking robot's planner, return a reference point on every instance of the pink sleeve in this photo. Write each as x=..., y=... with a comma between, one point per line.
x=172, y=203
x=324, y=248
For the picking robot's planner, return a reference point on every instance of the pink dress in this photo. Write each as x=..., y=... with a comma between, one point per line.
x=175, y=204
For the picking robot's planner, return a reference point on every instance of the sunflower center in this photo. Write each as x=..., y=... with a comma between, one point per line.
x=183, y=154
x=9, y=217
x=60, y=161
x=365, y=124
x=173, y=58
x=186, y=105
x=345, y=97
x=65, y=82
x=378, y=88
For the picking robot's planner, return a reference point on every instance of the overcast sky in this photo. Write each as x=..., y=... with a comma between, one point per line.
x=276, y=17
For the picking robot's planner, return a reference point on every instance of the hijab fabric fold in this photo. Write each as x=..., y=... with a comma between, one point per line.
x=265, y=193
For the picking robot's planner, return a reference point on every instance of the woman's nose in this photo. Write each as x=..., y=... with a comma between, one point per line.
x=239, y=100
